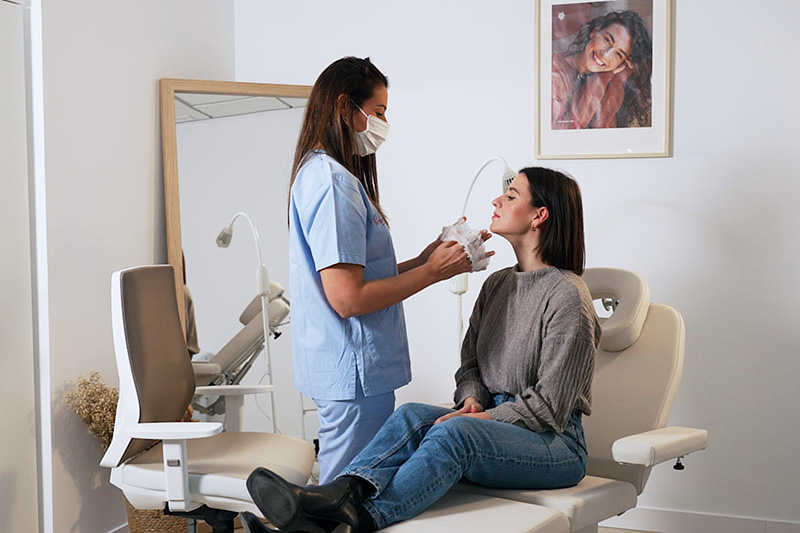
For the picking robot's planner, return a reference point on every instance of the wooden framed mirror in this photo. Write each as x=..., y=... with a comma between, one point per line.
x=227, y=148
x=184, y=101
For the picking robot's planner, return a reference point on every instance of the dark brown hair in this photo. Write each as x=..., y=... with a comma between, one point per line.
x=561, y=243
x=325, y=122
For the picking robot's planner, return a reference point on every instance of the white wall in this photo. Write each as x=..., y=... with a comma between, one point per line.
x=18, y=465
x=712, y=228
x=102, y=62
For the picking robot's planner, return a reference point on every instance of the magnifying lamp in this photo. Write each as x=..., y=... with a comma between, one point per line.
x=262, y=286
x=459, y=284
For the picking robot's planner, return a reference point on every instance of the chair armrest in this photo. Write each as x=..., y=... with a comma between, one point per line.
x=231, y=390
x=173, y=437
x=654, y=447
x=174, y=430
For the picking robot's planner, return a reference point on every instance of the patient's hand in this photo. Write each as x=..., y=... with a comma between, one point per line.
x=471, y=408
x=460, y=412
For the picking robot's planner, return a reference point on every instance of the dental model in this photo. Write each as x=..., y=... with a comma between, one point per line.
x=470, y=239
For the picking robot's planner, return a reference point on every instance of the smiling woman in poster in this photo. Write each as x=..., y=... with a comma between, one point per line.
x=603, y=80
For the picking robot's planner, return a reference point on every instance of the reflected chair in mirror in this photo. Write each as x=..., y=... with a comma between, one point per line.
x=220, y=376
x=637, y=373
x=191, y=469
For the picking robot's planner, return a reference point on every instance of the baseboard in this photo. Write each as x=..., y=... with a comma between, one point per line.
x=120, y=529
x=664, y=521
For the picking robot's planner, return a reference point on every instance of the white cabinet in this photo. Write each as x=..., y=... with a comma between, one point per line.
x=18, y=472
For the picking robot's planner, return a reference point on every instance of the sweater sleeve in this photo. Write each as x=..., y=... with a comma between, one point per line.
x=468, y=376
x=564, y=371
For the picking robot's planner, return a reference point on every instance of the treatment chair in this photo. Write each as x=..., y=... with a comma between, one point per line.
x=637, y=373
x=229, y=365
x=219, y=378
x=190, y=469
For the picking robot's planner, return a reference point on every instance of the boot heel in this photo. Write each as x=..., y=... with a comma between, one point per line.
x=301, y=523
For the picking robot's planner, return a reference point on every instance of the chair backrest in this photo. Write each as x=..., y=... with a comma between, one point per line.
x=156, y=382
x=637, y=373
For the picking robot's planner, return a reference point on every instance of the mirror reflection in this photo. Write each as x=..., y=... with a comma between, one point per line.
x=234, y=155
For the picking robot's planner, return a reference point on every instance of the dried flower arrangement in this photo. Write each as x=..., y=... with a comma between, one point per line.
x=96, y=405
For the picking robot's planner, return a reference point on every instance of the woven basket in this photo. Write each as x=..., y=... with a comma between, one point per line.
x=153, y=521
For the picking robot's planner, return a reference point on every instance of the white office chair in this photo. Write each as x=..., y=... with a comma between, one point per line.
x=638, y=370
x=189, y=469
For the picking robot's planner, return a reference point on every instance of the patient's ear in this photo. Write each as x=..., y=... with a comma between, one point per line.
x=541, y=214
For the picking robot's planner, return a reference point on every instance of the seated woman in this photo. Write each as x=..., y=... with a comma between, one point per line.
x=522, y=388
x=603, y=80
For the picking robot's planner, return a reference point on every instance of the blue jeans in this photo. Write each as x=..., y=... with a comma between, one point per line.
x=412, y=462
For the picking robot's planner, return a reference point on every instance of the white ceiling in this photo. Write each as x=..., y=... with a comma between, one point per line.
x=190, y=107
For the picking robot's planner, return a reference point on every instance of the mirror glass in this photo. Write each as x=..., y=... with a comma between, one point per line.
x=233, y=145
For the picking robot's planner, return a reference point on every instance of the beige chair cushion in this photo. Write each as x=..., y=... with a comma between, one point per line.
x=622, y=328
x=633, y=391
x=459, y=512
x=219, y=465
x=592, y=500
x=205, y=372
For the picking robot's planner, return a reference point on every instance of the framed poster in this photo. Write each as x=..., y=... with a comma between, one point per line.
x=603, y=79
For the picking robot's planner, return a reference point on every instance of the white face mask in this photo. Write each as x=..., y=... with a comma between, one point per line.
x=369, y=140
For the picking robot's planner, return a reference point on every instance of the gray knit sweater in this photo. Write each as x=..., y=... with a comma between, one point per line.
x=532, y=335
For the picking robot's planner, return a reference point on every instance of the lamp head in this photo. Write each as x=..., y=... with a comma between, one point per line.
x=508, y=176
x=225, y=236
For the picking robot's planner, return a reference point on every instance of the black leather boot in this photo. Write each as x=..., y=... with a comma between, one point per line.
x=252, y=524
x=312, y=509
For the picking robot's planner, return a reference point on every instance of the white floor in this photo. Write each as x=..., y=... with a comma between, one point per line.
x=600, y=530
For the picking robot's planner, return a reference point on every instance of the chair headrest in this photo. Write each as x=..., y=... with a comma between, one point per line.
x=622, y=328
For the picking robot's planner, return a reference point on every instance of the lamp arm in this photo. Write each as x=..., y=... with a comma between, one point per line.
x=262, y=276
x=472, y=183
x=253, y=228
x=459, y=284
x=506, y=169
x=262, y=282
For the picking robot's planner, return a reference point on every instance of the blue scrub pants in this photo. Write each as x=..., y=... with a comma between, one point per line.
x=346, y=427
x=412, y=463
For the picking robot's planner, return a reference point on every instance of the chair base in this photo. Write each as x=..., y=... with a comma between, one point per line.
x=220, y=520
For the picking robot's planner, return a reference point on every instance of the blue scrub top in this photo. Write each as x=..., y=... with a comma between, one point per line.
x=331, y=220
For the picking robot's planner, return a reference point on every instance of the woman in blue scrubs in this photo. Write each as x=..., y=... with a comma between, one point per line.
x=349, y=340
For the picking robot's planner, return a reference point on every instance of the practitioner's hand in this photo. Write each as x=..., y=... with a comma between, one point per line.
x=426, y=253
x=485, y=235
x=447, y=260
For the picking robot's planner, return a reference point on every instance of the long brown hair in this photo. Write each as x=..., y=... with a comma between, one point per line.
x=325, y=122
x=635, y=109
x=561, y=244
